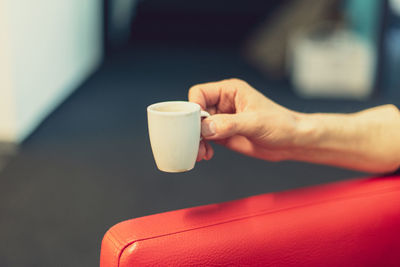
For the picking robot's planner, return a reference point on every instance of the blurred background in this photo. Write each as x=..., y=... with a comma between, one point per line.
x=76, y=77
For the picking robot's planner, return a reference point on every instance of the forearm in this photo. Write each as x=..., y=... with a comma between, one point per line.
x=368, y=140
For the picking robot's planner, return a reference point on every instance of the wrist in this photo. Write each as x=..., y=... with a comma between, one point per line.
x=307, y=132
x=320, y=136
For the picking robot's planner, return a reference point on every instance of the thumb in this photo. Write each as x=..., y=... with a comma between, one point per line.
x=222, y=126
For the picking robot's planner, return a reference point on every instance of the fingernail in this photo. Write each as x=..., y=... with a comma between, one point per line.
x=207, y=128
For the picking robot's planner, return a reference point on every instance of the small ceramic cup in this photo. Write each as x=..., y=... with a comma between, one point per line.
x=174, y=130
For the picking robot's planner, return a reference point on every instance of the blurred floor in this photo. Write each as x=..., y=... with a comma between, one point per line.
x=89, y=165
x=7, y=151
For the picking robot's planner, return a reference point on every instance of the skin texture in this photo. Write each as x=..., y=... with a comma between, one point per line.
x=246, y=121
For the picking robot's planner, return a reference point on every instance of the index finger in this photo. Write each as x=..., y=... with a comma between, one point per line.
x=206, y=94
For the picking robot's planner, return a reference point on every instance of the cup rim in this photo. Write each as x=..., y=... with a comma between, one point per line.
x=195, y=108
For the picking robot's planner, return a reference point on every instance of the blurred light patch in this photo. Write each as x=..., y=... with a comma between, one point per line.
x=395, y=5
x=121, y=14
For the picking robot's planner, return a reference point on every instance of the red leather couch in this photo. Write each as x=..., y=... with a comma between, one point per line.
x=352, y=223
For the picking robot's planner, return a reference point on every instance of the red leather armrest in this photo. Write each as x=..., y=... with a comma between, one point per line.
x=352, y=223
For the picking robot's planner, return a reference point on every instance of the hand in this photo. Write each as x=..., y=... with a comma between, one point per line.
x=246, y=121
x=243, y=120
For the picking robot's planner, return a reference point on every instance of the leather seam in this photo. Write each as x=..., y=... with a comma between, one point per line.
x=114, y=238
x=261, y=213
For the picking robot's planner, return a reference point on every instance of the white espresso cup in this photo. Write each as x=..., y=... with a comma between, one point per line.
x=174, y=130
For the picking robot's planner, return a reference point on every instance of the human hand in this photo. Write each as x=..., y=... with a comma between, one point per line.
x=244, y=120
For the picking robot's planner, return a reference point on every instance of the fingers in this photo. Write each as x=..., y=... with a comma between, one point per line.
x=226, y=101
x=205, y=151
x=202, y=151
x=221, y=126
x=209, y=151
x=236, y=143
x=206, y=95
x=216, y=96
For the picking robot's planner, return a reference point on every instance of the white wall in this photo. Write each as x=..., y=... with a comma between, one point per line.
x=51, y=47
x=7, y=120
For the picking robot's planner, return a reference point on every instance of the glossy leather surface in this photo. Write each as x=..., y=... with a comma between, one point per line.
x=352, y=223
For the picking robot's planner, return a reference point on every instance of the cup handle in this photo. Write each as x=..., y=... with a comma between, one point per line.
x=204, y=114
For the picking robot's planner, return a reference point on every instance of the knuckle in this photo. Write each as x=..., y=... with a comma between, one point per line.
x=235, y=80
x=238, y=84
x=193, y=92
x=393, y=108
x=193, y=88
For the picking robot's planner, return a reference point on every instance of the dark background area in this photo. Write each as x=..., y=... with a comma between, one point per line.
x=200, y=22
x=89, y=164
